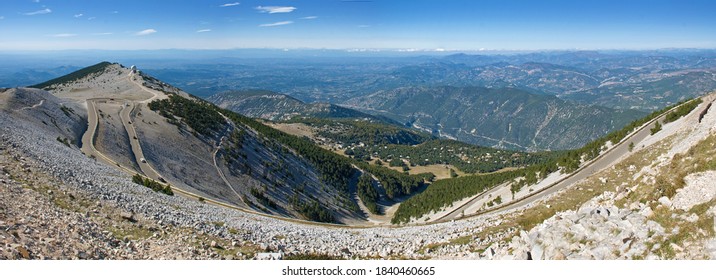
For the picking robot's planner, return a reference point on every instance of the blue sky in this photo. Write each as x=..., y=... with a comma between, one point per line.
x=356, y=24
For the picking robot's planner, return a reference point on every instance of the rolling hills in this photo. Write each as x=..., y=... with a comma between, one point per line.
x=495, y=117
x=279, y=107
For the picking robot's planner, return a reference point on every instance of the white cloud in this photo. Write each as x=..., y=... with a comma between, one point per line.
x=145, y=32
x=40, y=12
x=63, y=35
x=276, y=24
x=102, y=34
x=230, y=4
x=364, y=50
x=36, y=1
x=91, y=18
x=79, y=15
x=203, y=30
x=309, y=17
x=275, y=9
x=114, y=12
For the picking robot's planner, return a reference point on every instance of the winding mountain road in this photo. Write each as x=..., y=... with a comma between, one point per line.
x=155, y=95
x=137, y=151
x=88, y=139
x=605, y=160
x=89, y=149
x=216, y=164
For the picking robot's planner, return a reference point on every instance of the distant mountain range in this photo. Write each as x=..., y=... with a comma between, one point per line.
x=615, y=79
x=506, y=118
x=647, y=92
x=280, y=107
x=496, y=117
x=640, y=83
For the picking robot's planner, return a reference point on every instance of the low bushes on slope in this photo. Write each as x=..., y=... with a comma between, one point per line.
x=335, y=169
x=396, y=184
x=443, y=192
x=351, y=131
x=682, y=111
x=466, y=157
x=367, y=193
x=154, y=185
x=201, y=116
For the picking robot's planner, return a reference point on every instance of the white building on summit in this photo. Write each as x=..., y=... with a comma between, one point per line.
x=134, y=69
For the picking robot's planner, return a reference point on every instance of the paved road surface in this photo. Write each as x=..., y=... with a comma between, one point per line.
x=603, y=161
x=155, y=94
x=89, y=149
x=147, y=169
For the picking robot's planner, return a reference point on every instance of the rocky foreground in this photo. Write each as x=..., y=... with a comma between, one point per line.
x=59, y=204
x=56, y=203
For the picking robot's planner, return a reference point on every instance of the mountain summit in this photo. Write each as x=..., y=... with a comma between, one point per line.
x=164, y=136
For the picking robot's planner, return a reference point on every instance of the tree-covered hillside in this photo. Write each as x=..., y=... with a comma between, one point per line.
x=279, y=107
x=84, y=72
x=351, y=131
x=443, y=193
x=467, y=158
x=496, y=117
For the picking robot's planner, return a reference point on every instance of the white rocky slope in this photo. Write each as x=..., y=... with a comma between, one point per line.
x=129, y=132
x=182, y=224
x=658, y=203
x=110, y=217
